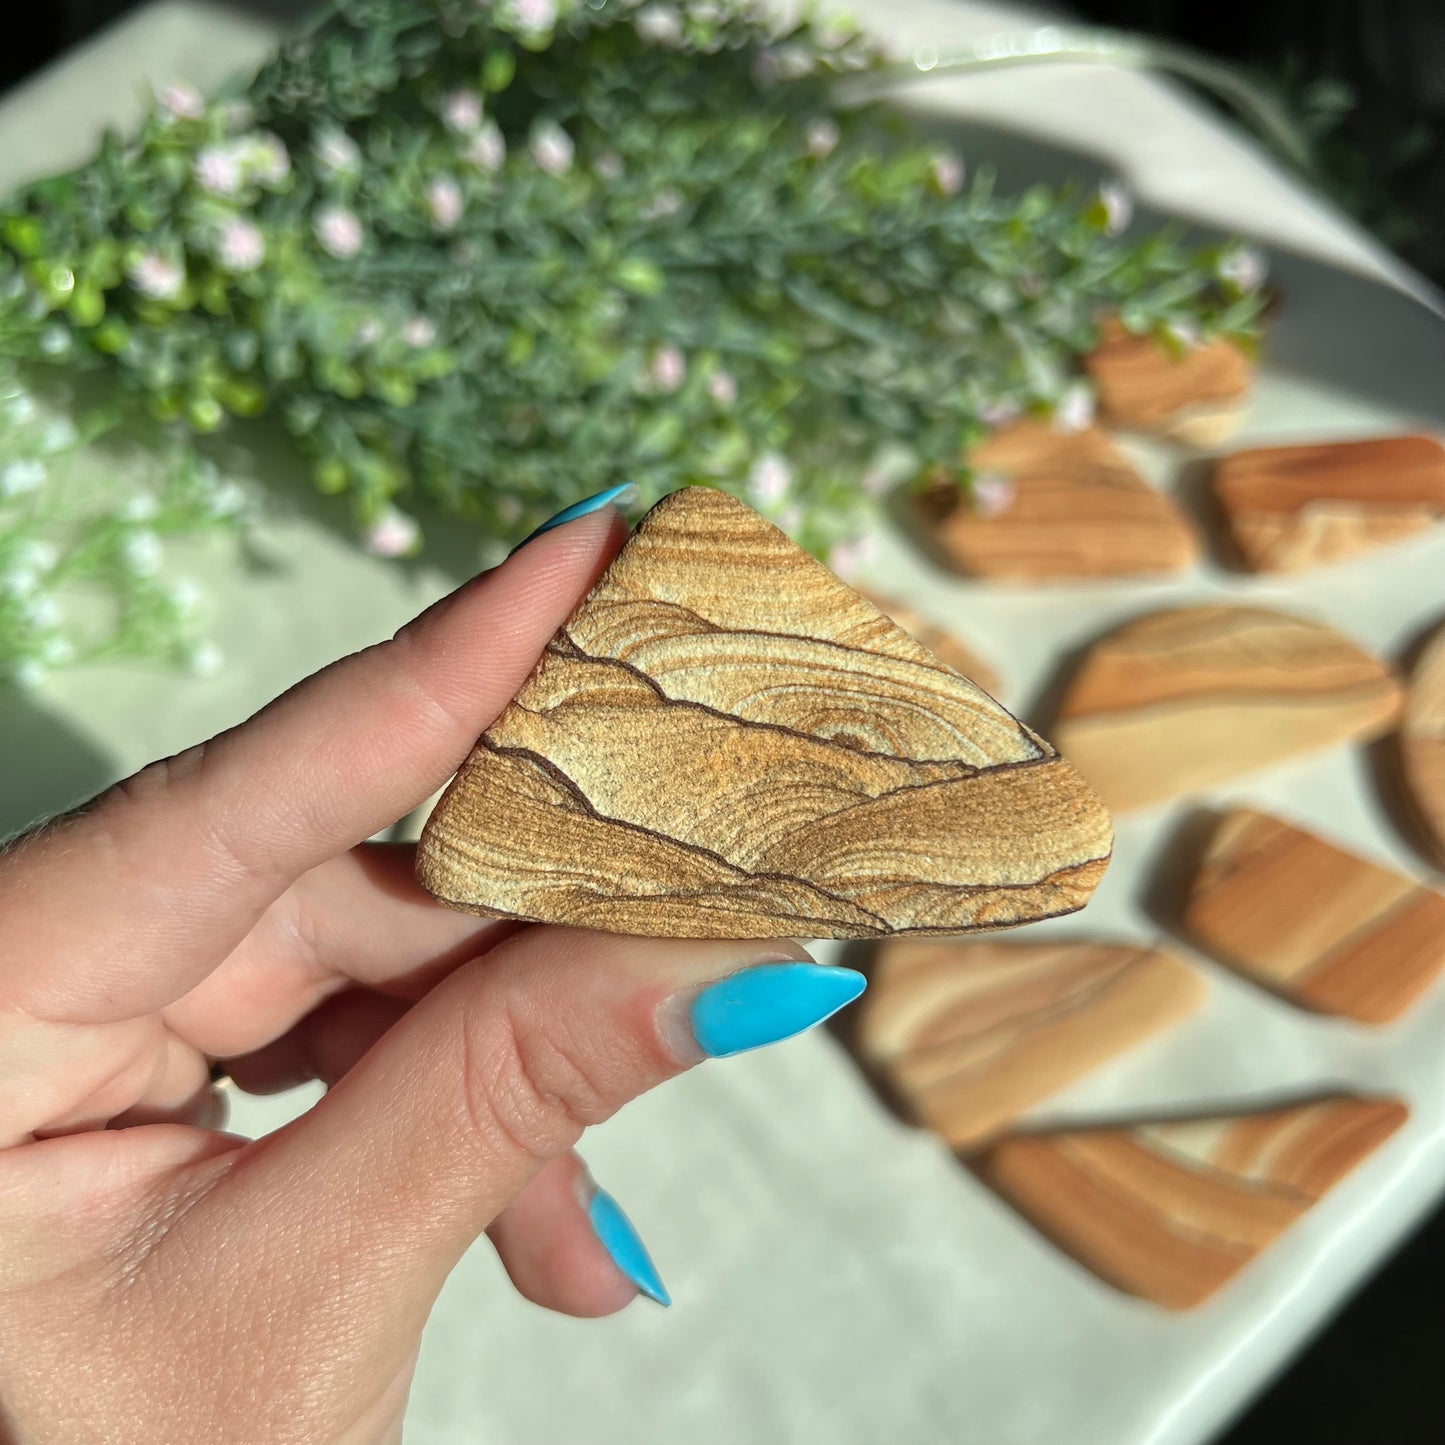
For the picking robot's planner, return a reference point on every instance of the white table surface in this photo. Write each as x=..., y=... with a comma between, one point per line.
x=838, y=1276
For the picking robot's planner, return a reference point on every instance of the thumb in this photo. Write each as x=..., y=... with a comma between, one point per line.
x=495, y=1072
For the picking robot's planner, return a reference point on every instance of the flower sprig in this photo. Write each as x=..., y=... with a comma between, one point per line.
x=502, y=256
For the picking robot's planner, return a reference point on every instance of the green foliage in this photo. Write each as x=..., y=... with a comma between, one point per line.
x=507, y=256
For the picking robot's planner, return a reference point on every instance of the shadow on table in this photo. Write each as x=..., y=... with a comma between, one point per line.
x=1338, y=328
x=49, y=767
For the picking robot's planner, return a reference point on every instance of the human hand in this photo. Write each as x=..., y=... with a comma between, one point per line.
x=163, y=1281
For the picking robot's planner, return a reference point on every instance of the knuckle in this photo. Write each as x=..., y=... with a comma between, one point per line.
x=526, y=1081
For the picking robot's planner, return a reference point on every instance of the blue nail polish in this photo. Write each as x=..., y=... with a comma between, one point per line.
x=620, y=1240
x=619, y=496
x=770, y=1002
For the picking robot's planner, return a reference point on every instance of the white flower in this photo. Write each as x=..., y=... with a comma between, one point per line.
x=552, y=148
x=28, y=673
x=37, y=556
x=57, y=651
x=668, y=369
x=998, y=411
x=823, y=137
x=418, y=331
x=462, y=111
x=59, y=435
x=1118, y=207
x=184, y=596
x=444, y=202
x=18, y=580
x=509, y=511
x=1074, y=410
x=204, y=659
x=667, y=202
x=157, y=276
x=41, y=610
x=608, y=166
x=139, y=508
x=393, y=534
x=266, y=159
x=659, y=25
x=1244, y=267
x=875, y=482
x=991, y=493
x=722, y=387
x=338, y=231
x=782, y=62
x=240, y=246
x=21, y=476
x=217, y=169
x=533, y=17
x=183, y=101
x=948, y=173
x=487, y=149
x=227, y=499
x=1185, y=333
x=336, y=152
x=769, y=480
x=20, y=408
x=369, y=331
x=141, y=553
x=847, y=558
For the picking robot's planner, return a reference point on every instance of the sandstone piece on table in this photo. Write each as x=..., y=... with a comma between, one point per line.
x=1422, y=746
x=726, y=741
x=1328, y=930
x=1195, y=397
x=1295, y=507
x=1173, y=1211
x=969, y=1035
x=1056, y=507
x=1180, y=700
x=941, y=641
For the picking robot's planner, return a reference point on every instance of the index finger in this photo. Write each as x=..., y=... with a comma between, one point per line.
x=123, y=908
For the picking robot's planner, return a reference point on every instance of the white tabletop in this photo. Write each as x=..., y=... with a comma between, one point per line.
x=838, y=1276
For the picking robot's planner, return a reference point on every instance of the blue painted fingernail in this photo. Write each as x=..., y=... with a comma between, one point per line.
x=773, y=1001
x=613, y=496
x=614, y=1229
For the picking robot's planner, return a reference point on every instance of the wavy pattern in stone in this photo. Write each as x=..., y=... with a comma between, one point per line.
x=725, y=741
x=1172, y=1211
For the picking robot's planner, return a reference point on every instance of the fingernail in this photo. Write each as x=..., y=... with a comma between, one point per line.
x=767, y=1003
x=613, y=496
x=614, y=1229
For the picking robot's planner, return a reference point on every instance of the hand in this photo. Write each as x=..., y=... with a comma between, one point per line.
x=161, y=1281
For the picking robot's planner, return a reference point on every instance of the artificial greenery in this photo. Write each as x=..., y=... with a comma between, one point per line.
x=506, y=255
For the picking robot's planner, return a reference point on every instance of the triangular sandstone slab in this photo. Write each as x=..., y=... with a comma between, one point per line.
x=1181, y=700
x=1072, y=508
x=970, y=1035
x=941, y=641
x=1291, y=508
x=726, y=741
x=1332, y=931
x=1172, y=1211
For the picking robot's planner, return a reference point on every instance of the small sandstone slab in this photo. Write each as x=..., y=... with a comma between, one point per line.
x=1195, y=397
x=1328, y=930
x=726, y=742
x=1173, y=1211
x=1422, y=746
x=972, y=1034
x=1181, y=700
x=941, y=641
x=1074, y=508
x=1291, y=508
